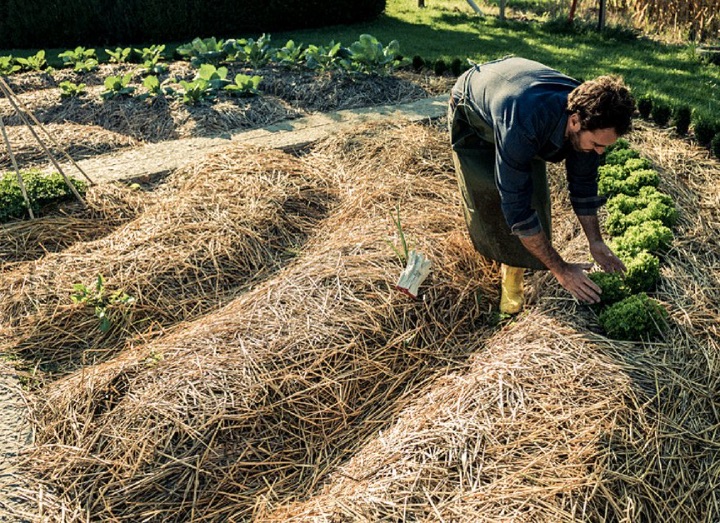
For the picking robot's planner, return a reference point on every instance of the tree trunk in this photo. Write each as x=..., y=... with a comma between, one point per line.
x=602, y=12
x=502, y=9
x=421, y=3
x=573, y=6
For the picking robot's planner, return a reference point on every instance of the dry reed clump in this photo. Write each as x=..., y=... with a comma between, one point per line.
x=520, y=435
x=79, y=141
x=270, y=394
x=107, y=206
x=221, y=225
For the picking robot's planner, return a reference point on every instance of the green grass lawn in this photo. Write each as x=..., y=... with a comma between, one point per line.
x=449, y=29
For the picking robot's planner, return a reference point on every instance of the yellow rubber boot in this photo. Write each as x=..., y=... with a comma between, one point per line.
x=512, y=296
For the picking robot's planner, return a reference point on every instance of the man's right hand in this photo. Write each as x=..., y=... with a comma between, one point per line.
x=573, y=277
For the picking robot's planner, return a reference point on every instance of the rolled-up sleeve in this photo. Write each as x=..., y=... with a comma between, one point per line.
x=582, y=180
x=513, y=177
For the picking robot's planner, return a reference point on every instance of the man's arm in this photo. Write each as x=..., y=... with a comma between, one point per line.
x=570, y=275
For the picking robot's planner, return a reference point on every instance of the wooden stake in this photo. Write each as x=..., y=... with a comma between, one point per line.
x=21, y=183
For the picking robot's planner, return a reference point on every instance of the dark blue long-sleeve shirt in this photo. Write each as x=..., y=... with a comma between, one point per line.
x=524, y=103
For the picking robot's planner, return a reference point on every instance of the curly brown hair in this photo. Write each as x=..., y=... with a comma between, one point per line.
x=603, y=103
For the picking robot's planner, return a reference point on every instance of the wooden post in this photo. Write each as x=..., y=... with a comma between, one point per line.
x=602, y=12
x=475, y=7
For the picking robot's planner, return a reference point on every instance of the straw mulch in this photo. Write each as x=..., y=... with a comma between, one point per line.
x=79, y=141
x=520, y=435
x=321, y=394
x=552, y=422
x=265, y=397
x=220, y=225
x=105, y=208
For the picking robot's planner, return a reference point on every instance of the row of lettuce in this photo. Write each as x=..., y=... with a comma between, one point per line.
x=211, y=57
x=639, y=222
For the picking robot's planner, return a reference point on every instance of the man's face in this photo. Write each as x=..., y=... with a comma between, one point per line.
x=597, y=140
x=588, y=141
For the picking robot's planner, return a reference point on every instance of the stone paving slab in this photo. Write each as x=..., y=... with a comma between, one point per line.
x=150, y=160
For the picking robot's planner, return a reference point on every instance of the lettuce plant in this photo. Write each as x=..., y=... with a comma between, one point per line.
x=257, y=53
x=8, y=65
x=326, y=58
x=203, y=51
x=244, y=85
x=643, y=272
x=120, y=55
x=368, y=55
x=650, y=236
x=81, y=59
x=69, y=89
x=37, y=62
x=41, y=190
x=290, y=55
x=634, y=318
x=612, y=285
x=116, y=86
x=650, y=204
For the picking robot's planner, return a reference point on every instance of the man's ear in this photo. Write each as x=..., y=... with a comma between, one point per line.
x=574, y=122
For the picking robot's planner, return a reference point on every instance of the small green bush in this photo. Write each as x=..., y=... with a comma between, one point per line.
x=682, y=116
x=715, y=145
x=418, y=63
x=705, y=130
x=643, y=272
x=634, y=318
x=440, y=67
x=613, y=286
x=456, y=67
x=661, y=113
x=645, y=105
x=42, y=190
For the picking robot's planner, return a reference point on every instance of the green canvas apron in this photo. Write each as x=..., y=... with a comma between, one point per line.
x=474, y=157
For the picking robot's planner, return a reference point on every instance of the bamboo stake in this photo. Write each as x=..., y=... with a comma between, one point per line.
x=9, y=94
x=42, y=128
x=17, y=169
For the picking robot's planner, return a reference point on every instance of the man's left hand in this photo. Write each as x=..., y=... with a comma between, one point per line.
x=605, y=258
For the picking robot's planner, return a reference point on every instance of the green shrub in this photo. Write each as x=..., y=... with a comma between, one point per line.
x=456, y=67
x=41, y=189
x=682, y=116
x=661, y=113
x=643, y=272
x=634, y=318
x=612, y=285
x=440, y=67
x=705, y=130
x=418, y=63
x=650, y=236
x=645, y=105
x=715, y=145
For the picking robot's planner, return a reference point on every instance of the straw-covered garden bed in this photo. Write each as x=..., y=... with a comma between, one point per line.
x=264, y=368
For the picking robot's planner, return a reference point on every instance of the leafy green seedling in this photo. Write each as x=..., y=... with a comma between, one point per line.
x=36, y=62
x=8, y=65
x=290, y=55
x=120, y=55
x=321, y=58
x=71, y=90
x=100, y=300
x=203, y=51
x=81, y=59
x=116, y=86
x=368, y=55
x=244, y=85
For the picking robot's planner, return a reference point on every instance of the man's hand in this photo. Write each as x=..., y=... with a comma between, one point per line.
x=573, y=278
x=570, y=275
x=605, y=258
